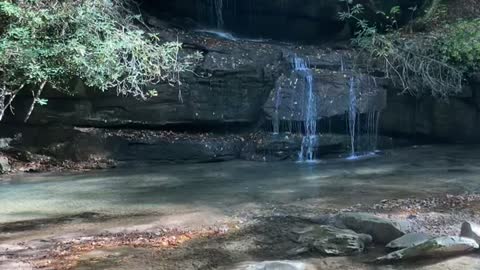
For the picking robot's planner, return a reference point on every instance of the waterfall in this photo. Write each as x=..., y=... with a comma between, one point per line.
x=342, y=65
x=352, y=116
x=373, y=119
x=310, y=137
x=363, y=134
x=276, y=120
x=218, y=7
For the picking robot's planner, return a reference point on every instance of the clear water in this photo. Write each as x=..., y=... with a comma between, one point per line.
x=310, y=138
x=231, y=186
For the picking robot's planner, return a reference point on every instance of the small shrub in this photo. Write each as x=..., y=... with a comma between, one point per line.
x=460, y=44
x=412, y=61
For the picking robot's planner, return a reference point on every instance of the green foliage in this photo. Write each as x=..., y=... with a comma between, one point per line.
x=434, y=14
x=460, y=44
x=98, y=41
x=410, y=61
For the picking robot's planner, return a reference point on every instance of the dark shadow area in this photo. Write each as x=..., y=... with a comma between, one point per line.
x=310, y=20
x=37, y=224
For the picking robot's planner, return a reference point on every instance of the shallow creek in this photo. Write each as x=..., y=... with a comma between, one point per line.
x=150, y=196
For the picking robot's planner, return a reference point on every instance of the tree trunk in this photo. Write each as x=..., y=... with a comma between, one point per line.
x=2, y=102
x=35, y=99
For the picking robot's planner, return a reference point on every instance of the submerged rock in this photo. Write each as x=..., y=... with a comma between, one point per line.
x=275, y=265
x=329, y=240
x=471, y=230
x=437, y=247
x=4, y=165
x=409, y=240
x=382, y=230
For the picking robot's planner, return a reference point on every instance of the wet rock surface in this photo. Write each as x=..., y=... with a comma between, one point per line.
x=331, y=89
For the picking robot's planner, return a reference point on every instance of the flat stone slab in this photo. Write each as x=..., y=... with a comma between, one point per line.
x=409, y=240
x=382, y=230
x=438, y=247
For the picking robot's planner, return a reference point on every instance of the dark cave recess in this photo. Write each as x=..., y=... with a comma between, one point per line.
x=285, y=20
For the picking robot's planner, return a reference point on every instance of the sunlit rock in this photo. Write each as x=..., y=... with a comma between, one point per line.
x=409, y=240
x=437, y=247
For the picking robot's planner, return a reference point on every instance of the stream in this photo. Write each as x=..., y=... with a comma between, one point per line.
x=263, y=199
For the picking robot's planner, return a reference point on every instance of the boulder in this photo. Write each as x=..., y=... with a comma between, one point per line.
x=331, y=91
x=274, y=265
x=382, y=230
x=4, y=165
x=437, y=247
x=409, y=240
x=333, y=241
x=471, y=230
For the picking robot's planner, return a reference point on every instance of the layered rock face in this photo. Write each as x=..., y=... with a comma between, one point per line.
x=240, y=87
x=236, y=82
x=456, y=120
x=233, y=89
x=230, y=85
x=332, y=92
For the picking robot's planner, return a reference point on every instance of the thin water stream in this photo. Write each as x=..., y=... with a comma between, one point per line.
x=310, y=137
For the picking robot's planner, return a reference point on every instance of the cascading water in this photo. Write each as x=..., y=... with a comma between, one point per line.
x=218, y=6
x=373, y=119
x=352, y=117
x=363, y=134
x=342, y=65
x=276, y=120
x=310, y=138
